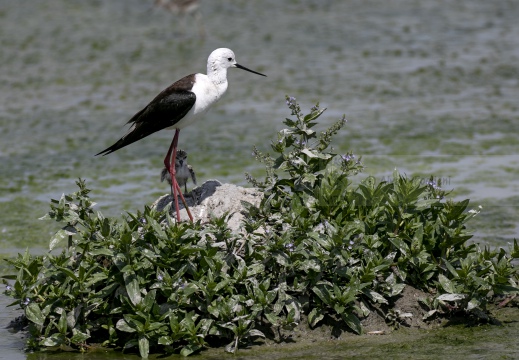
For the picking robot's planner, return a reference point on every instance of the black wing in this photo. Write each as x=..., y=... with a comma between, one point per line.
x=168, y=108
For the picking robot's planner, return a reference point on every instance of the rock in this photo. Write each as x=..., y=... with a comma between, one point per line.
x=213, y=199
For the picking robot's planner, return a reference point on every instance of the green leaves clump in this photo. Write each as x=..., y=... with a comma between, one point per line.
x=318, y=247
x=356, y=245
x=135, y=282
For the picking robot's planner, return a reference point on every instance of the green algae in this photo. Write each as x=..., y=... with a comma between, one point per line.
x=412, y=78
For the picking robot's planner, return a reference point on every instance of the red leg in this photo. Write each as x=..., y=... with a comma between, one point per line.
x=167, y=159
x=184, y=201
x=169, y=162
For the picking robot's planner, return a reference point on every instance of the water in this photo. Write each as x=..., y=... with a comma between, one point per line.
x=428, y=87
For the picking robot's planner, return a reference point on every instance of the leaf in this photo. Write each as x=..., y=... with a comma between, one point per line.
x=122, y=325
x=281, y=258
x=451, y=297
x=221, y=285
x=293, y=307
x=416, y=243
x=404, y=315
x=451, y=268
x=101, y=251
x=132, y=288
x=73, y=315
x=429, y=314
x=70, y=216
x=309, y=178
x=456, y=209
x=54, y=340
x=33, y=313
x=189, y=349
x=315, y=316
x=130, y=343
x=353, y=322
x=155, y=326
x=95, y=278
x=69, y=273
x=149, y=300
x=323, y=293
x=58, y=237
x=315, y=154
x=378, y=298
x=144, y=347
x=364, y=309
x=397, y=289
x=189, y=289
x=108, y=290
x=231, y=347
x=165, y=340
x=159, y=232
x=505, y=289
x=311, y=264
x=472, y=304
x=62, y=323
x=256, y=332
x=339, y=309
x=514, y=250
x=314, y=115
x=47, y=216
x=273, y=319
x=400, y=245
x=78, y=337
x=446, y=284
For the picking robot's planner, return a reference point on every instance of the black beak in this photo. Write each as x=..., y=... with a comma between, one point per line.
x=249, y=70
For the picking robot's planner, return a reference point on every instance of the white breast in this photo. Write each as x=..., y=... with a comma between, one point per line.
x=207, y=93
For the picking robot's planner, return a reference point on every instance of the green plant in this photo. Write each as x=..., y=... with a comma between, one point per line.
x=317, y=247
x=359, y=236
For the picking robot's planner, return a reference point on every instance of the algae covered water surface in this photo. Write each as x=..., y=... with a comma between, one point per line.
x=428, y=87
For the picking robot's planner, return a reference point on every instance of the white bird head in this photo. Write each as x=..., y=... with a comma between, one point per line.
x=224, y=58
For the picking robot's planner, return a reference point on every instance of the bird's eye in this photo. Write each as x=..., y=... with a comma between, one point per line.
x=230, y=59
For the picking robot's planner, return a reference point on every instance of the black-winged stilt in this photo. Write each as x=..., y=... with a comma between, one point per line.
x=178, y=106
